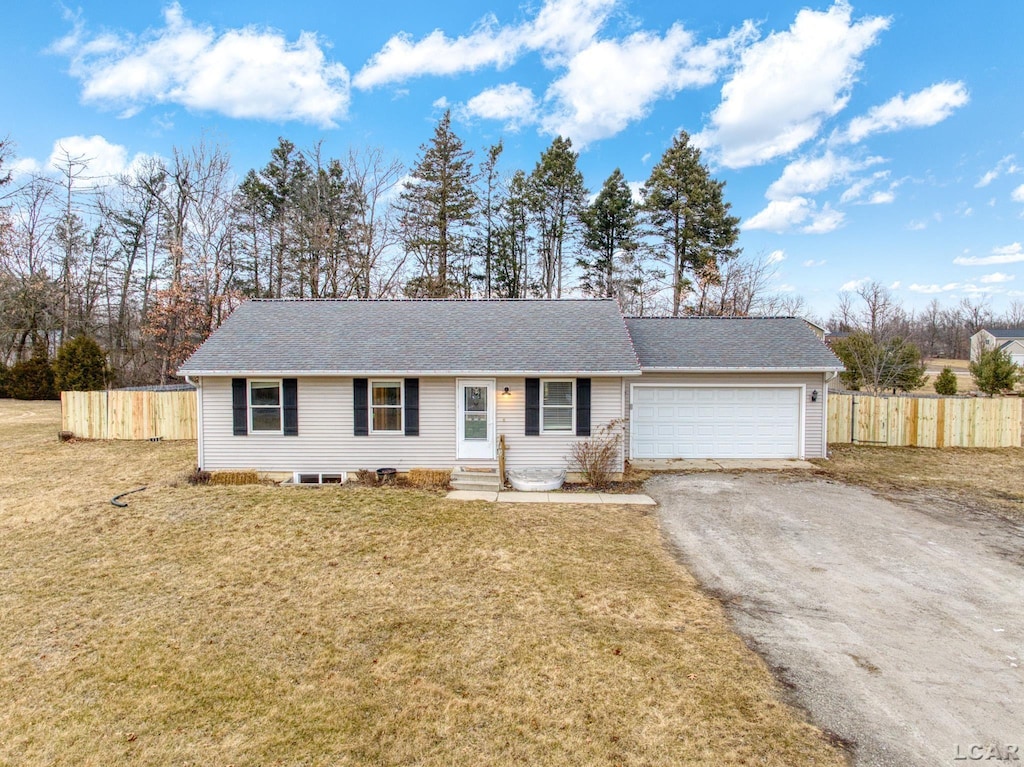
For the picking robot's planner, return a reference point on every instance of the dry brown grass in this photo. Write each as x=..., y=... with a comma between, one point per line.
x=974, y=477
x=234, y=478
x=350, y=626
x=428, y=479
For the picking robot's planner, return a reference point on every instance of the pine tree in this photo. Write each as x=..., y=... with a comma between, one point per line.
x=436, y=209
x=490, y=204
x=512, y=242
x=557, y=195
x=686, y=211
x=81, y=365
x=995, y=371
x=609, y=235
x=945, y=383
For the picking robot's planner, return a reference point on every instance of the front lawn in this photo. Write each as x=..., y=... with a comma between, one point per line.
x=260, y=626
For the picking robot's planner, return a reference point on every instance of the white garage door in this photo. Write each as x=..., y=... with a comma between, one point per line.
x=715, y=422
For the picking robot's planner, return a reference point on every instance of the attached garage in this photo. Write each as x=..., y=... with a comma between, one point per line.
x=693, y=421
x=728, y=387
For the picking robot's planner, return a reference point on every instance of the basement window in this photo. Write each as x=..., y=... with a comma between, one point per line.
x=319, y=478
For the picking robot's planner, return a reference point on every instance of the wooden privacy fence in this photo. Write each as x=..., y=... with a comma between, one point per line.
x=129, y=414
x=925, y=421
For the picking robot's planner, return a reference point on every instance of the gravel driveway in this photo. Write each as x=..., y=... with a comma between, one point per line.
x=899, y=630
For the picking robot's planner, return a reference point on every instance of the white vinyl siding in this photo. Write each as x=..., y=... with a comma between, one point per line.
x=814, y=441
x=553, y=449
x=325, y=442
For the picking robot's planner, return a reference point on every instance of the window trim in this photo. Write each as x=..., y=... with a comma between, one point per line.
x=400, y=407
x=571, y=430
x=280, y=405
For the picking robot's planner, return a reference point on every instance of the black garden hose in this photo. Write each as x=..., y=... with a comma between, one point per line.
x=122, y=504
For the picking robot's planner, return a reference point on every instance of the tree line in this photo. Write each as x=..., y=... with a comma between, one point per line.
x=884, y=347
x=149, y=263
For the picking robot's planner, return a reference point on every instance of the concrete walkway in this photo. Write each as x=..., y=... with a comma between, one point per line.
x=719, y=464
x=512, y=496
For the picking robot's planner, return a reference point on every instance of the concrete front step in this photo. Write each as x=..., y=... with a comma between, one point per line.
x=488, y=487
x=477, y=479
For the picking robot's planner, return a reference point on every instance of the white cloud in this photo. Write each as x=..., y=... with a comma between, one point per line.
x=896, y=285
x=784, y=215
x=441, y=103
x=781, y=215
x=247, y=73
x=917, y=225
x=919, y=110
x=856, y=190
x=935, y=288
x=949, y=287
x=1007, y=254
x=1005, y=165
x=852, y=285
x=882, y=198
x=997, y=277
x=511, y=103
x=787, y=84
x=103, y=161
x=560, y=28
x=1017, y=195
x=810, y=263
x=611, y=83
x=25, y=166
x=825, y=221
x=776, y=257
x=809, y=175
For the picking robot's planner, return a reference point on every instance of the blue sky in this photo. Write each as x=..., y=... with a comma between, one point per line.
x=859, y=141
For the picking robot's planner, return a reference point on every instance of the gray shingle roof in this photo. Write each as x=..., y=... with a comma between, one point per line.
x=372, y=337
x=745, y=343
x=1010, y=333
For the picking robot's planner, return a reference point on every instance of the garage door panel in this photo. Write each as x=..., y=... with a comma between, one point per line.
x=715, y=422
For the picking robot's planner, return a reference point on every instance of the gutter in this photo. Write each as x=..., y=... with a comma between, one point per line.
x=416, y=373
x=727, y=369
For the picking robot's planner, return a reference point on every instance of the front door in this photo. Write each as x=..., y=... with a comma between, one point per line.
x=475, y=432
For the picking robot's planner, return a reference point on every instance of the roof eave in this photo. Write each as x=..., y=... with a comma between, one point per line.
x=413, y=373
x=735, y=369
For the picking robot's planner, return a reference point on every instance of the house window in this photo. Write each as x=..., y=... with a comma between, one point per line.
x=265, y=407
x=556, y=407
x=386, y=407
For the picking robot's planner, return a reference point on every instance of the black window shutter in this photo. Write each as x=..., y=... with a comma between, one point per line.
x=532, y=407
x=412, y=407
x=360, y=408
x=239, y=407
x=582, y=407
x=290, y=398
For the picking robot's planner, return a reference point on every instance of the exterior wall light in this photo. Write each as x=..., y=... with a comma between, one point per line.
x=814, y=396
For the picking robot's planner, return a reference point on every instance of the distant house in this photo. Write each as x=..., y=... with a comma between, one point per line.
x=290, y=386
x=1008, y=339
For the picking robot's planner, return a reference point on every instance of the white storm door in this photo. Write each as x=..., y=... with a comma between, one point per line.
x=475, y=413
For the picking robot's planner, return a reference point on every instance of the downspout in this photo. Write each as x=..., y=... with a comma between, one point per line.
x=199, y=419
x=824, y=412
